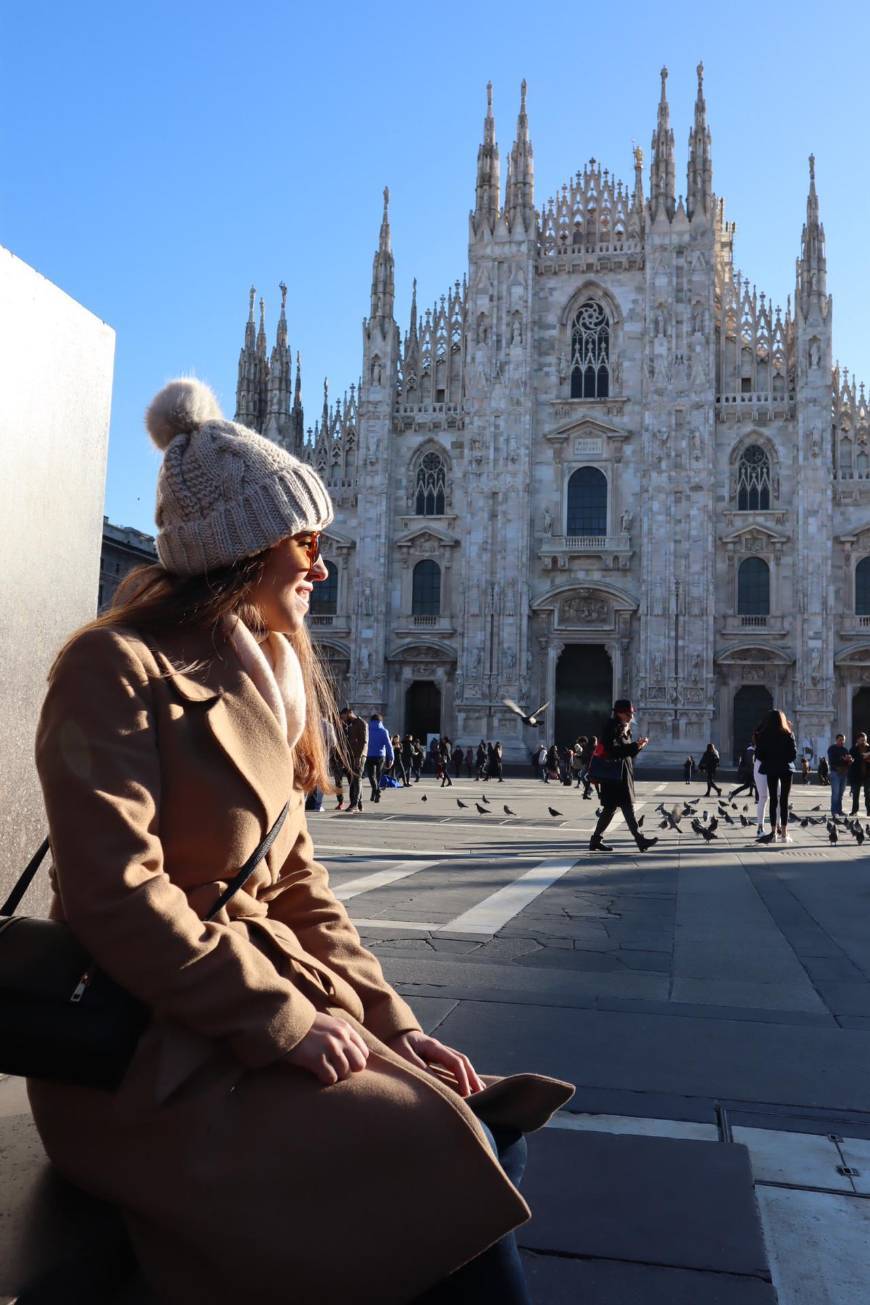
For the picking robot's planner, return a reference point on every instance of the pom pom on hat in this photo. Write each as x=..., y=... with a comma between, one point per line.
x=181, y=407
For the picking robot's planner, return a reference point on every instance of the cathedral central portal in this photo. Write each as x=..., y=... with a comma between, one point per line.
x=584, y=692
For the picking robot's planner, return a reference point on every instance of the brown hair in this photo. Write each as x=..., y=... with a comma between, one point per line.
x=150, y=599
x=775, y=722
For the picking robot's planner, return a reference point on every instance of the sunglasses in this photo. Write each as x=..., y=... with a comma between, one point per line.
x=310, y=546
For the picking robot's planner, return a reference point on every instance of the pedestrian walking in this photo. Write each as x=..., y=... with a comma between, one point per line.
x=588, y=753
x=541, y=761
x=577, y=759
x=859, y=774
x=400, y=774
x=551, y=764
x=745, y=774
x=615, y=758
x=378, y=754
x=776, y=750
x=418, y=756
x=688, y=768
x=839, y=761
x=408, y=757
x=458, y=757
x=482, y=756
x=494, y=761
x=445, y=752
x=356, y=736
x=760, y=788
x=257, y=1064
x=708, y=766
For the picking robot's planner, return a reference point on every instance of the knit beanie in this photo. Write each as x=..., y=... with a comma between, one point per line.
x=224, y=492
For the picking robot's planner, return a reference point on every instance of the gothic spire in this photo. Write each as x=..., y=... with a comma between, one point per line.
x=487, y=191
x=699, y=185
x=661, y=197
x=412, y=329
x=261, y=334
x=637, y=198
x=520, y=196
x=297, y=416
x=383, y=269
x=250, y=339
x=812, y=264
x=280, y=370
x=247, y=384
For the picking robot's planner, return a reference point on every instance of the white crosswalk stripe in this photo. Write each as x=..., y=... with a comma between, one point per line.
x=379, y=879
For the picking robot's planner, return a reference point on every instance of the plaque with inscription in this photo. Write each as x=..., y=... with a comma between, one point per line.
x=588, y=447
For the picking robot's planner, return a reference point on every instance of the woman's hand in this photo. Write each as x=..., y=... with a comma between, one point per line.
x=641, y=743
x=423, y=1051
x=331, y=1050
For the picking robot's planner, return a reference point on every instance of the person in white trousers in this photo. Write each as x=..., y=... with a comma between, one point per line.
x=761, y=787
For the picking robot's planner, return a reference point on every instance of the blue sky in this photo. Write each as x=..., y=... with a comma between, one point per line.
x=158, y=159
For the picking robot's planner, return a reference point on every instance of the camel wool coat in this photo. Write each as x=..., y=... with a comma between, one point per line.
x=242, y=1177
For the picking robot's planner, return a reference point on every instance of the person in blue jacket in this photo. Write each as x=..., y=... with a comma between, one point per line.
x=380, y=754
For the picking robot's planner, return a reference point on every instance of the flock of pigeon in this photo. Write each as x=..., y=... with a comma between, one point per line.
x=489, y=810
x=705, y=827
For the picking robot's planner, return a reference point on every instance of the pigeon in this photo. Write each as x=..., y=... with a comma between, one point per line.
x=815, y=808
x=484, y=798
x=706, y=834
x=745, y=806
x=481, y=811
x=714, y=825
x=599, y=811
x=424, y=798
x=832, y=832
x=462, y=804
x=805, y=822
x=508, y=812
x=529, y=718
x=858, y=833
x=640, y=822
x=663, y=824
x=553, y=811
x=744, y=820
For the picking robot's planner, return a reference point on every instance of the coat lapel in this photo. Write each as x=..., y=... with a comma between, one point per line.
x=211, y=680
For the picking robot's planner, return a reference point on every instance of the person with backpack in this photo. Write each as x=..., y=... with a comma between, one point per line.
x=378, y=755
x=614, y=758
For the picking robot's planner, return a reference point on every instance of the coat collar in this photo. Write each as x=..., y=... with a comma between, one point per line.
x=208, y=675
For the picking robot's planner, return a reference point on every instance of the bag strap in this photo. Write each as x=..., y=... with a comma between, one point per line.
x=238, y=880
x=10, y=906
x=242, y=876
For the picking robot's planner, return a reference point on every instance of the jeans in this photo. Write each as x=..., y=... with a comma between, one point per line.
x=711, y=783
x=838, y=785
x=355, y=777
x=374, y=766
x=856, y=797
x=496, y=1276
x=611, y=801
x=779, y=787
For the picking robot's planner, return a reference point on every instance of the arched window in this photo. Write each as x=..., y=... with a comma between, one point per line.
x=590, y=352
x=324, y=596
x=753, y=480
x=430, y=486
x=862, y=587
x=426, y=594
x=587, y=502
x=753, y=588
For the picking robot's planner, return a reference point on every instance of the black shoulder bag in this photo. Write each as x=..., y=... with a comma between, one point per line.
x=61, y=1017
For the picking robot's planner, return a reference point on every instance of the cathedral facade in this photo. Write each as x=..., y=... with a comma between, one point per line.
x=600, y=465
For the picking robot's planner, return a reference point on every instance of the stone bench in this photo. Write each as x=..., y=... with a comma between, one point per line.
x=58, y=1246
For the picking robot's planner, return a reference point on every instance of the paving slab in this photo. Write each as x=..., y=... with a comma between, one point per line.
x=801, y=1066
x=635, y=1126
x=856, y=1154
x=650, y=1200
x=819, y=1246
x=804, y=1159
x=556, y=1281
